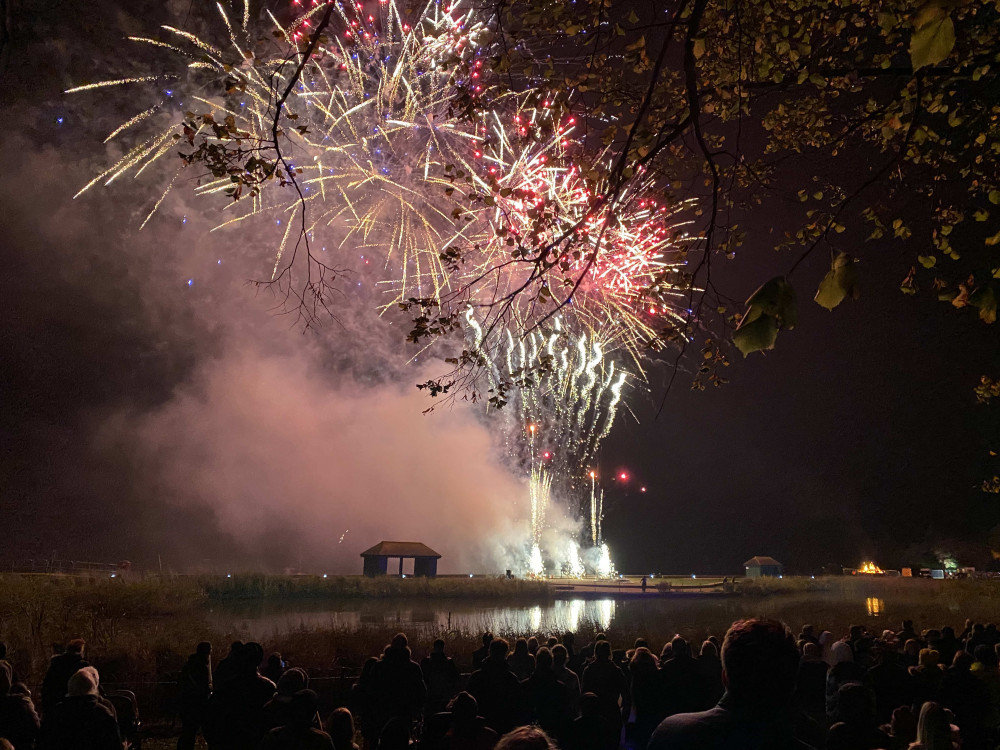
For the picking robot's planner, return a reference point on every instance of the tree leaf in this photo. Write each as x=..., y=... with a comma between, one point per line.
x=840, y=281
x=756, y=335
x=777, y=299
x=985, y=299
x=933, y=37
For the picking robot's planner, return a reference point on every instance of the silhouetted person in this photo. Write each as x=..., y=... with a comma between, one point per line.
x=855, y=727
x=933, y=729
x=680, y=681
x=81, y=721
x=591, y=730
x=643, y=584
x=61, y=668
x=544, y=695
x=526, y=738
x=573, y=661
x=234, y=719
x=710, y=673
x=496, y=689
x=967, y=698
x=440, y=676
x=278, y=711
x=925, y=678
x=810, y=684
x=299, y=733
x=948, y=645
x=18, y=720
x=194, y=690
x=570, y=680
x=985, y=670
x=468, y=730
x=843, y=671
x=14, y=678
x=759, y=666
x=520, y=661
x=227, y=668
x=340, y=727
x=645, y=696
x=274, y=667
x=398, y=683
x=907, y=632
x=395, y=734
x=480, y=654
x=605, y=679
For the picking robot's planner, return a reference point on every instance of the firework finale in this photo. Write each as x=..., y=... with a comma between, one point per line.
x=339, y=122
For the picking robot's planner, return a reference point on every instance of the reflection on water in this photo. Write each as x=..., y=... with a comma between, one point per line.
x=875, y=606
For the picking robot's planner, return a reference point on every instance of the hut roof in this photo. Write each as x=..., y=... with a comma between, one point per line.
x=760, y=561
x=400, y=549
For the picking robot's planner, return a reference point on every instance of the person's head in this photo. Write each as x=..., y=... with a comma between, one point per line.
x=640, y=643
x=292, y=681
x=680, y=648
x=487, y=638
x=399, y=641
x=498, y=649
x=551, y=641
x=526, y=738
x=521, y=647
x=840, y=652
x=274, y=660
x=978, y=628
x=911, y=647
x=708, y=650
x=590, y=704
x=908, y=626
x=76, y=646
x=464, y=708
x=642, y=662
x=532, y=645
x=857, y=632
x=759, y=662
x=395, y=735
x=602, y=650
x=543, y=659
x=254, y=653
x=948, y=633
x=83, y=682
x=5, y=744
x=438, y=646
x=986, y=656
x=568, y=639
x=302, y=709
x=855, y=705
x=203, y=649
x=559, y=656
x=963, y=661
x=600, y=637
x=340, y=727
x=812, y=651
x=933, y=727
x=666, y=652
x=929, y=657
x=903, y=724
x=807, y=630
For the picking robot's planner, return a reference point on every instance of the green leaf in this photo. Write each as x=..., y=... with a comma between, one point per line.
x=933, y=37
x=840, y=281
x=927, y=261
x=698, y=48
x=777, y=299
x=985, y=299
x=756, y=335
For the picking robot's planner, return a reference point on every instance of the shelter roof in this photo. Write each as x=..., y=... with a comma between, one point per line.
x=760, y=560
x=400, y=549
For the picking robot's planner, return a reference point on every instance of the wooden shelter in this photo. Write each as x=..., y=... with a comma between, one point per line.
x=761, y=566
x=377, y=558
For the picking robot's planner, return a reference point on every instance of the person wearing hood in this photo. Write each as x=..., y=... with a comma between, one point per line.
x=397, y=683
x=843, y=672
x=61, y=668
x=193, y=693
x=81, y=721
x=18, y=720
x=496, y=689
x=234, y=719
x=826, y=642
x=468, y=730
x=300, y=733
x=278, y=711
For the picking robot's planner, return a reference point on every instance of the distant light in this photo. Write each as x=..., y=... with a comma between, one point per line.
x=404, y=575
x=813, y=577
x=780, y=576
x=190, y=282
x=114, y=575
x=642, y=489
x=324, y=575
x=623, y=476
x=229, y=575
x=693, y=575
x=470, y=575
x=59, y=121
x=593, y=475
x=219, y=262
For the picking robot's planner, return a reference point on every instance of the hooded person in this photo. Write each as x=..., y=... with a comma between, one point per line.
x=468, y=730
x=843, y=672
x=234, y=719
x=18, y=720
x=278, y=710
x=398, y=683
x=299, y=733
x=81, y=721
x=61, y=668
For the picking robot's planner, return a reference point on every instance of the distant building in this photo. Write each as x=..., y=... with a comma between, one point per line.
x=761, y=566
x=377, y=558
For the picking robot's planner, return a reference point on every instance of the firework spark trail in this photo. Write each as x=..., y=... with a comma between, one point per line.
x=387, y=168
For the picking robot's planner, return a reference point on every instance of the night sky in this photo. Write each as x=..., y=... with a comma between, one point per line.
x=157, y=409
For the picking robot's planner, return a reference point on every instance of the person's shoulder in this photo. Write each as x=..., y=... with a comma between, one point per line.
x=682, y=731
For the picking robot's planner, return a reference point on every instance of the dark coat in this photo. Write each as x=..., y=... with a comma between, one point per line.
x=296, y=738
x=234, y=718
x=728, y=726
x=497, y=692
x=441, y=678
x=195, y=684
x=61, y=668
x=398, y=686
x=18, y=720
x=80, y=723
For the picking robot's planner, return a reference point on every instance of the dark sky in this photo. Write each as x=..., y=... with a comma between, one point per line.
x=155, y=420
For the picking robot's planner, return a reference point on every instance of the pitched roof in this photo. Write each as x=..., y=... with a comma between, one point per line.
x=760, y=560
x=400, y=549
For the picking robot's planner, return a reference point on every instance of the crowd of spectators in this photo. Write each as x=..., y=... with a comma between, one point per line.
x=761, y=687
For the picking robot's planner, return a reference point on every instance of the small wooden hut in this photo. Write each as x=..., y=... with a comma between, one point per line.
x=377, y=558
